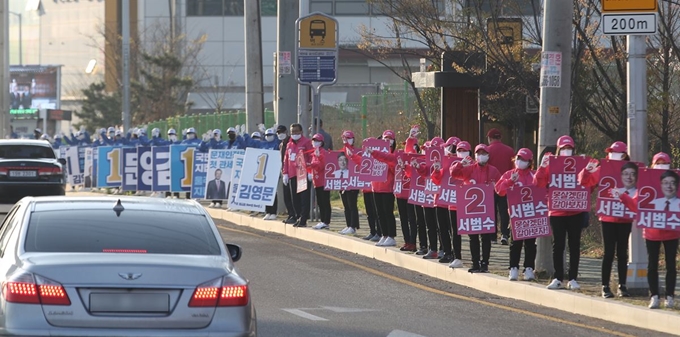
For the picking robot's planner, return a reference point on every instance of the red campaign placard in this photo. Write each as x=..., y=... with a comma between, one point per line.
x=339, y=171
x=476, y=211
x=372, y=169
x=432, y=155
x=612, y=175
x=417, y=195
x=402, y=186
x=301, y=172
x=528, y=208
x=447, y=191
x=658, y=203
x=564, y=192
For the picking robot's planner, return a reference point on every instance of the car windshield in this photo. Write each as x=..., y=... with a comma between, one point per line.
x=134, y=231
x=26, y=152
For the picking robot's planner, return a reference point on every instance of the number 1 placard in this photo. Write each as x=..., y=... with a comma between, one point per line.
x=260, y=177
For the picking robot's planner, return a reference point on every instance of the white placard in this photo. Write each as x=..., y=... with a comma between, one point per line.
x=260, y=177
x=551, y=69
x=629, y=24
x=236, y=173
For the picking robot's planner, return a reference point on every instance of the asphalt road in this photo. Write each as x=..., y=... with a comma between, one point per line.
x=304, y=289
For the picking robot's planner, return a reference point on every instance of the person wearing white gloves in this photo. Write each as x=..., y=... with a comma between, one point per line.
x=301, y=201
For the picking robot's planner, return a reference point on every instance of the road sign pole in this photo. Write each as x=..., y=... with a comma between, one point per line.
x=316, y=115
x=638, y=147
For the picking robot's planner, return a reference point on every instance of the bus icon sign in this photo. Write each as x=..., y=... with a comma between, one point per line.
x=317, y=31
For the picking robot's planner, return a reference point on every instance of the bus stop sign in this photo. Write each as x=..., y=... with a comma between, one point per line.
x=317, y=50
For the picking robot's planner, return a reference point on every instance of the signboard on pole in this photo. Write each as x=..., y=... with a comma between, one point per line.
x=629, y=6
x=317, y=50
x=629, y=24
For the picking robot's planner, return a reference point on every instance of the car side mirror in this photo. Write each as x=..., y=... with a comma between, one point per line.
x=62, y=161
x=235, y=251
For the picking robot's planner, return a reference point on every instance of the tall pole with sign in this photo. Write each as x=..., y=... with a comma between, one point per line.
x=317, y=59
x=4, y=69
x=125, y=16
x=254, y=82
x=634, y=18
x=555, y=108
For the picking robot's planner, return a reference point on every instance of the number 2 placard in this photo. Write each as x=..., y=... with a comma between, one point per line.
x=476, y=211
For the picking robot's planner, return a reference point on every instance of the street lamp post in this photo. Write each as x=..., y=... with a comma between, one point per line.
x=21, y=59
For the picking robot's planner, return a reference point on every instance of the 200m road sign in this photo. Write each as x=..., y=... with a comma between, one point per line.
x=629, y=24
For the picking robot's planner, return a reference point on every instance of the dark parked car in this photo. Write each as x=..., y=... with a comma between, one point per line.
x=29, y=168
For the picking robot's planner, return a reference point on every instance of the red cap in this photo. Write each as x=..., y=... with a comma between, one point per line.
x=661, y=156
x=437, y=142
x=565, y=141
x=482, y=147
x=494, y=133
x=618, y=146
x=318, y=137
x=347, y=134
x=463, y=146
x=525, y=154
x=388, y=134
x=452, y=141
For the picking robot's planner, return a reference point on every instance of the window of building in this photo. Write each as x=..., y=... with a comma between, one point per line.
x=227, y=8
x=204, y=7
x=355, y=7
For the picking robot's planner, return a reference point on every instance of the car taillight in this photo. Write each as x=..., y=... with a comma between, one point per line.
x=25, y=288
x=221, y=292
x=48, y=171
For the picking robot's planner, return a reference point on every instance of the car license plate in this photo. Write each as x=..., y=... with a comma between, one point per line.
x=23, y=174
x=129, y=302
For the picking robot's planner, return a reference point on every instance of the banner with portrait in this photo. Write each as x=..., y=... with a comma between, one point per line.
x=371, y=169
x=339, y=171
x=621, y=175
x=658, y=202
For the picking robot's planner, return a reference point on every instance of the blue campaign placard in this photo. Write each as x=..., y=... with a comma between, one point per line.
x=129, y=168
x=161, y=168
x=95, y=162
x=109, y=162
x=81, y=157
x=144, y=168
x=181, y=167
x=199, y=175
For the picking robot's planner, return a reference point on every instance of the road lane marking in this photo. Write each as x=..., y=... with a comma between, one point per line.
x=433, y=290
x=400, y=333
x=298, y=312
x=347, y=310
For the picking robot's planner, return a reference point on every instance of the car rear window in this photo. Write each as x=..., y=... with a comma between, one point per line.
x=26, y=152
x=135, y=231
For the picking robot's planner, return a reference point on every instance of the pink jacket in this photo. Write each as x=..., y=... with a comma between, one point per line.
x=317, y=168
x=526, y=178
x=391, y=160
x=486, y=174
x=591, y=180
x=289, y=165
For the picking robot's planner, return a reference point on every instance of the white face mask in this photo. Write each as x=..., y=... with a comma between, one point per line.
x=566, y=152
x=391, y=142
x=521, y=164
x=316, y=144
x=616, y=156
x=173, y=138
x=282, y=136
x=218, y=137
x=269, y=138
x=350, y=141
x=296, y=137
x=482, y=158
x=191, y=135
x=462, y=154
x=662, y=166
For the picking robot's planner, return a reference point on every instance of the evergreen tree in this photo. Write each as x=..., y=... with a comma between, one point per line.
x=100, y=109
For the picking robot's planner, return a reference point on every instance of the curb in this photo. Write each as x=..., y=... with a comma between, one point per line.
x=564, y=300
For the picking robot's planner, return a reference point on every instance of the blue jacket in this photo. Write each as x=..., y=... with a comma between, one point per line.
x=237, y=143
x=57, y=144
x=158, y=141
x=188, y=141
x=265, y=145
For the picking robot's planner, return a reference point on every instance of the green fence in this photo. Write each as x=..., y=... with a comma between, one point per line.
x=207, y=122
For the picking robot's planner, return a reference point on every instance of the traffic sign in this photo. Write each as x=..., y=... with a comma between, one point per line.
x=629, y=24
x=317, y=66
x=629, y=6
x=317, y=31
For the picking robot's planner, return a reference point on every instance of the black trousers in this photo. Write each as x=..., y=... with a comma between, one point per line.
x=273, y=209
x=486, y=247
x=384, y=204
x=529, y=253
x=444, y=224
x=288, y=200
x=564, y=227
x=420, y=223
x=503, y=218
x=349, y=202
x=670, y=248
x=456, y=239
x=301, y=201
x=615, y=237
x=371, y=214
x=323, y=200
x=407, y=217
x=432, y=227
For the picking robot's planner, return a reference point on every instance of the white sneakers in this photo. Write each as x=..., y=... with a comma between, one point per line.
x=212, y=205
x=386, y=241
x=269, y=217
x=514, y=274
x=555, y=284
x=654, y=302
x=456, y=264
x=321, y=225
x=573, y=285
x=670, y=302
x=347, y=231
x=529, y=274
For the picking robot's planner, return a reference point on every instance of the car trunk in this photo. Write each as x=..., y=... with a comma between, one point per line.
x=128, y=290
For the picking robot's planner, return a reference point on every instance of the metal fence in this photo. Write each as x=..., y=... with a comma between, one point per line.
x=207, y=122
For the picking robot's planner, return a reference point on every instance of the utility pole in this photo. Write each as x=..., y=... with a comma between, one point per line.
x=303, y=106
x=555, y=106
x=4, y=69
x=286, y=84
x=254, y=86
x=638, y=145
x=125, y=17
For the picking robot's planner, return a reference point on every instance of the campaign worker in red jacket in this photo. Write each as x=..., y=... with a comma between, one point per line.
x=382, y=192
x=317, y=170
x=301, y=200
